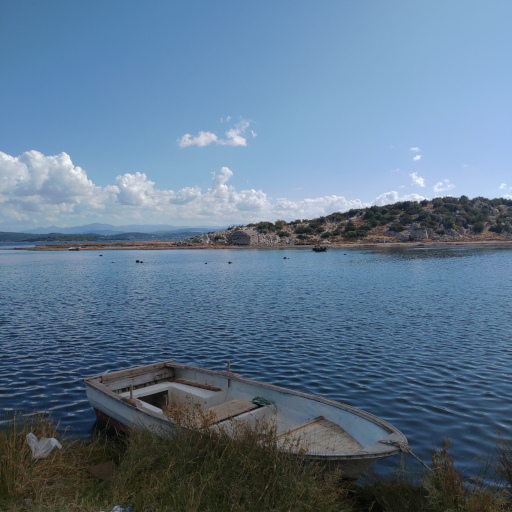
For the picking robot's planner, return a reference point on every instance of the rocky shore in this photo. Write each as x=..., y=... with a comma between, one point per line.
x=440, y=222
x=104, y=246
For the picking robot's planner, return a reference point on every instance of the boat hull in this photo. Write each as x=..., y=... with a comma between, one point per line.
x=329, y=432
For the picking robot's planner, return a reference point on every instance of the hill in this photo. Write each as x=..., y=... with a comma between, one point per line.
x=6, y=236
x=110, y=229
x=441, y=219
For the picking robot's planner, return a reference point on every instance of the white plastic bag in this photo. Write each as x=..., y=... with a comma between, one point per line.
x=43, y=447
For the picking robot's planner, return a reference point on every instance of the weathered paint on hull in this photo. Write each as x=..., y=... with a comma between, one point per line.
x=122, y=414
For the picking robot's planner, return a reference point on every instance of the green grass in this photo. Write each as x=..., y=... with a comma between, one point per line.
x=198, y=470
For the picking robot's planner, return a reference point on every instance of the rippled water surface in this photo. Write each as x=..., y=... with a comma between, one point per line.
x=421, y=338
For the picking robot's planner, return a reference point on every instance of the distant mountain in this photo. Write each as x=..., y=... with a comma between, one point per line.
x=110, y=229
x=175, y=235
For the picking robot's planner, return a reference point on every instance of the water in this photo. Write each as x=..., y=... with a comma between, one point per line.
x=418, y=337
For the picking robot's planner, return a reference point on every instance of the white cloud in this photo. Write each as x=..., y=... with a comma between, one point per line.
x=507, y=196
x=35, y=182
x=443, y=186
x=186, y=195
x=416, y=158
x=415, y=150
x=309, y=208
x=137, y=190
x=503, y=186
x=417, y=179
x=393, y=197
x=203, y=139
x=234, y=137
x=39, y=190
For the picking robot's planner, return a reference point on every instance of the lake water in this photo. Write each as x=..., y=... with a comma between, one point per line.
x=419, y=337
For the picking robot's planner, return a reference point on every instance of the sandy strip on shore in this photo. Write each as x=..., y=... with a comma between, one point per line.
x=157, y=245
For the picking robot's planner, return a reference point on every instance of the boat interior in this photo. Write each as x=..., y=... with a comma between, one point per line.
x=212, y=401
x=219, y=401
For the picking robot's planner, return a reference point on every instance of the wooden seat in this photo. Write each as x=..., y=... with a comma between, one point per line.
x=319, y=435
x=229, y=410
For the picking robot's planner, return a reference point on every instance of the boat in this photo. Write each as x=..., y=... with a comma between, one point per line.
x=322, y=430
x=74, y=249
x=319, y=248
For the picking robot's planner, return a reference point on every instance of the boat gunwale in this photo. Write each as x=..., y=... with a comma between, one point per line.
x=385, y=451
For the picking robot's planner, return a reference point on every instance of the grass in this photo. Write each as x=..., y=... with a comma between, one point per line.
x=202, y=470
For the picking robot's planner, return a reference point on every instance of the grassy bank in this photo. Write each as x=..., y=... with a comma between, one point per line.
x=202, y=471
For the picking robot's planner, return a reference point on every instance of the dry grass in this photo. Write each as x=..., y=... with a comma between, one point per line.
x=448, y=490
x=59, y=481
x=200, y=469
x=443, y=489
x=195, y=470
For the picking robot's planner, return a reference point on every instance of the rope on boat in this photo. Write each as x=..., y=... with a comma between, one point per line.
x=258, y=400
x=405, y=448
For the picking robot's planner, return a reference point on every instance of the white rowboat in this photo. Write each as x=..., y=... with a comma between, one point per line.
x=324, y=430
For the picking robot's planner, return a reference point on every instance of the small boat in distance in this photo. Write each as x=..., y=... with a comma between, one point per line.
x=74, y=249
x=321, y=429
x=319, y=248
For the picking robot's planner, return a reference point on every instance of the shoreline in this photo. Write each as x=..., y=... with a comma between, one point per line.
x=159, y=246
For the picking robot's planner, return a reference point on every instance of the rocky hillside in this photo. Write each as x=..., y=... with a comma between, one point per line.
x=442, y=219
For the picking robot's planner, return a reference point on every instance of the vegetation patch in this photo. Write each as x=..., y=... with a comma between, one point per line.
x=202, y=470
x=442, y=219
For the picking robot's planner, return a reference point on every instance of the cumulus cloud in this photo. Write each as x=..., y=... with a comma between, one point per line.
x=309, y=208
x=186, y=195
x=443, y=186
x=234, y=137
x=416, y=158
x=39, y=190
x=137, y=190
x=417, y=180
x=503, y=186
x=394, y=196
x=203, y=139
x=35, y=182
x=415, y=150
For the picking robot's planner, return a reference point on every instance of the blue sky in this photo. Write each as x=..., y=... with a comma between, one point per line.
x=219, y=113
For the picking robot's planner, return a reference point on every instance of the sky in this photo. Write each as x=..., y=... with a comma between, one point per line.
x=205, y=113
